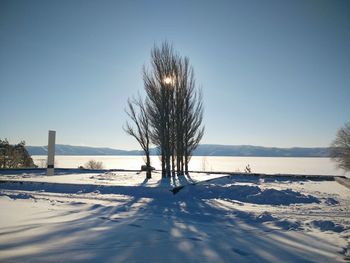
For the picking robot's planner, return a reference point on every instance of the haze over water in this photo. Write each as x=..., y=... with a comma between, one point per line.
x=269, y=165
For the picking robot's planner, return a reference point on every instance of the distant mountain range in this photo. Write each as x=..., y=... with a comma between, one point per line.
x=202, y=150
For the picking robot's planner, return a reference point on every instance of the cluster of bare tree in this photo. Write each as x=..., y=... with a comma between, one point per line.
x=93, y=164
x=171, y=115
x=14, y=156
x=340, y=148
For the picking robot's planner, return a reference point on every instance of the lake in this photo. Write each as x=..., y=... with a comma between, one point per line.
x=273, y=165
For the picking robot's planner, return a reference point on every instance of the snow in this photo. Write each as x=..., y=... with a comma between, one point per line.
x=122, y=217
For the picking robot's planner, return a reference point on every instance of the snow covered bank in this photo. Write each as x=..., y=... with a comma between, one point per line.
x=121, y=217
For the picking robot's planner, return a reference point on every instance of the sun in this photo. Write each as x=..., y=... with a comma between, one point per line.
x=168, y=80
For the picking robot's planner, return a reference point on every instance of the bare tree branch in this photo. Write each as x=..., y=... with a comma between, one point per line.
x=340, y=147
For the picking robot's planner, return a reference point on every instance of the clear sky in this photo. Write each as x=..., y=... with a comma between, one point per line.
x=273, y=73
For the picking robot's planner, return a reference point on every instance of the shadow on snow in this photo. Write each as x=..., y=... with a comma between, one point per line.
x=156, y=226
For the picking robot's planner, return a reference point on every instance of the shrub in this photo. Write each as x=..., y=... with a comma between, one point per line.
x=95, y=165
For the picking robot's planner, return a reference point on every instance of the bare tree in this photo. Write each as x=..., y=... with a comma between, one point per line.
x=159, y=86
x=93, y=164
x=193, y=115
x=174, y=108
x=340, y=148
x=171, y=118
x=141, y=130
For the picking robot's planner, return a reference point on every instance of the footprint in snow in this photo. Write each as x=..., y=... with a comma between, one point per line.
x=135, y=225
x=194, y=239
x=160, y=230
x=110, y=219
x=240, y=252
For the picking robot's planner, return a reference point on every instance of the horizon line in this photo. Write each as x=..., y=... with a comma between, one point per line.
x=217, y=144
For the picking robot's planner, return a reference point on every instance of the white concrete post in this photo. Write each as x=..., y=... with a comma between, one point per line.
x=51, y=153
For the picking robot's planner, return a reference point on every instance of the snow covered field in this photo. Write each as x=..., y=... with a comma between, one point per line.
x=121, y=217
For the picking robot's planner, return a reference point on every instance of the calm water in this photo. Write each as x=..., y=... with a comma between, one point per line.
x=318, y=166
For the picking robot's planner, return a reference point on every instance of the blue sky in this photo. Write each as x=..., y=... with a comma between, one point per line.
x=273, y=73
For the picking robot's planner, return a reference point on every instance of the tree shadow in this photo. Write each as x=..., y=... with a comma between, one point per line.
x=189, y=178
x=144, y=181
x=156, y=226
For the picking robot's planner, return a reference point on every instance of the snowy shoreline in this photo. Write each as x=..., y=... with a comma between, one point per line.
x=60, y=171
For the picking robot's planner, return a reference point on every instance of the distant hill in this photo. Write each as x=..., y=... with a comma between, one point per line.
x=61, y=149
x=249, y=150
x=202, y=150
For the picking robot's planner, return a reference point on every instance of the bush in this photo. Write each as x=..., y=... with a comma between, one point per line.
x=95, y=165
x=14, y=156
x=145, y=168
x=247, y=169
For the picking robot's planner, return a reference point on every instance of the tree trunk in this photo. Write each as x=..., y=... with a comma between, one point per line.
x=168, y=168
x=148, y=163
x=178, y=164
x=186, y=164
x=163, y=164
x=173, y=164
